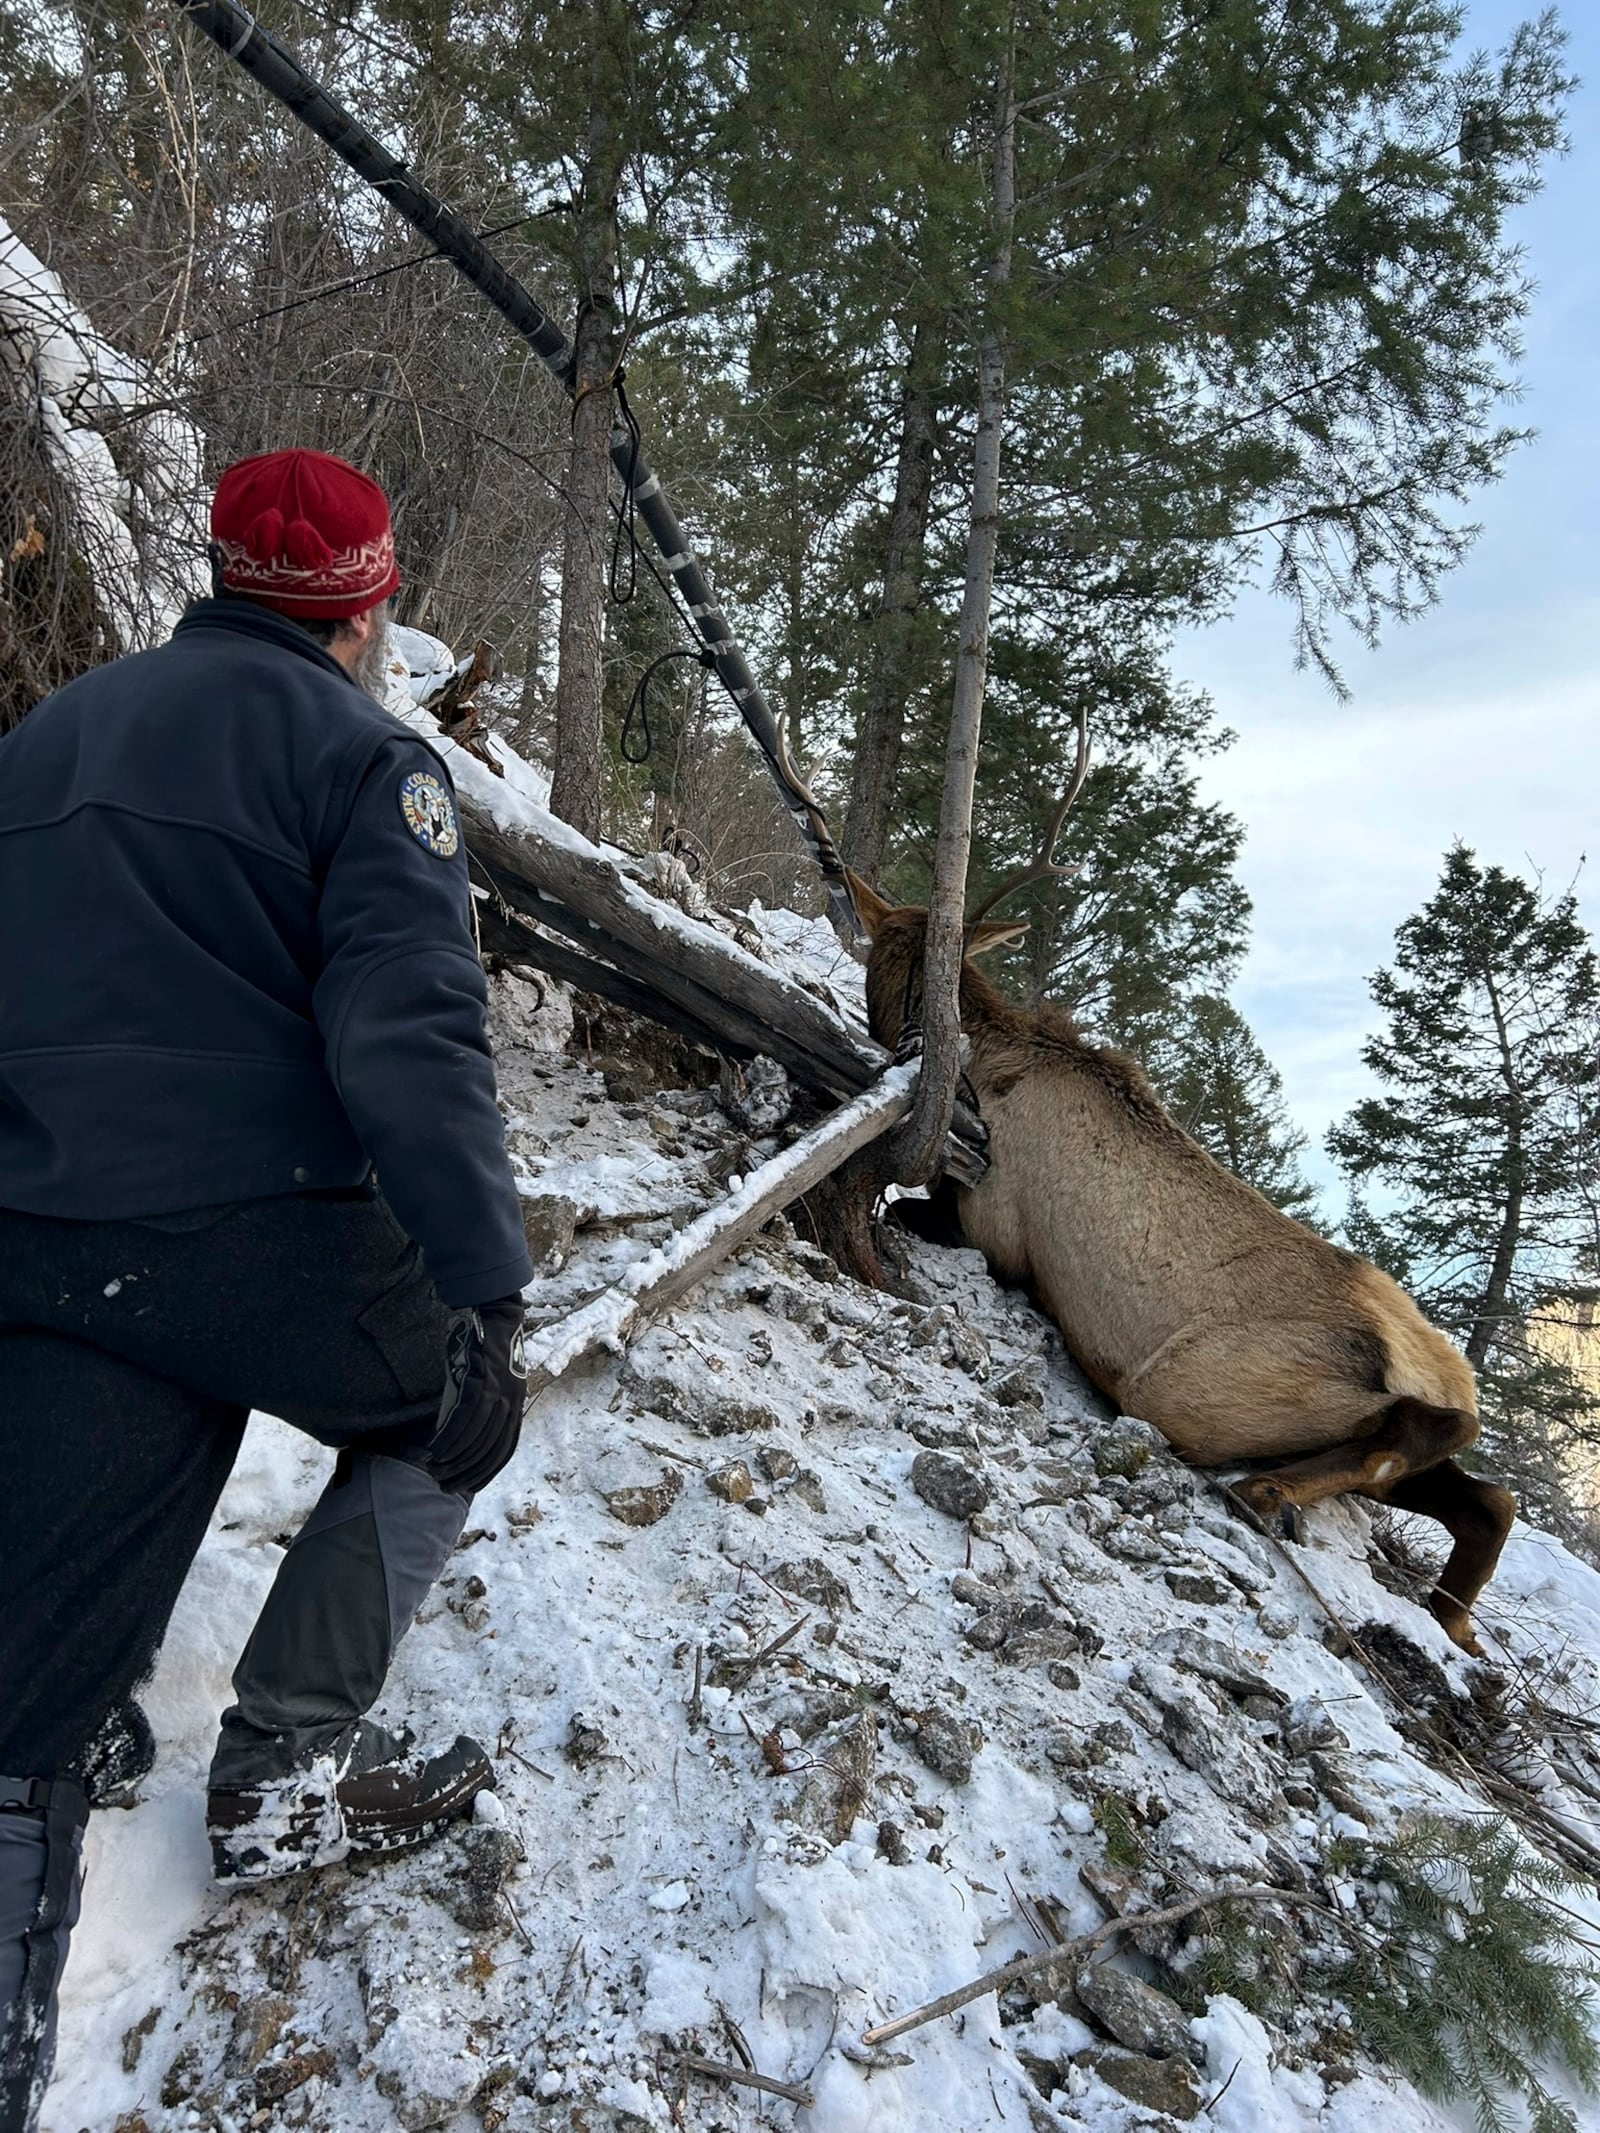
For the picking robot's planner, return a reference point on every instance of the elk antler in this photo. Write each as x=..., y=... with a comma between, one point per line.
x=1041, y=867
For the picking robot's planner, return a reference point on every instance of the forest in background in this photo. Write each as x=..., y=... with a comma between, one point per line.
x=1258, y=318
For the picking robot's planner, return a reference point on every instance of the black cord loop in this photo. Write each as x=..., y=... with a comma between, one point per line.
x=627, y=516
x=638, y=711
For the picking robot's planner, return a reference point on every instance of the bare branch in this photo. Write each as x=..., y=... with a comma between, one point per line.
x=1041, y=867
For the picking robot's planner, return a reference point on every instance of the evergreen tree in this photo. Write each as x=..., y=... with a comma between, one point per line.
x=1474, y=1169
x=1221, y=1087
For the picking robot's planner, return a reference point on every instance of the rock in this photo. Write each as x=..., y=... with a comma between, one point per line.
x=1065, y=1750
x=1133, y=2012
x=1309, y=1726
x=678, y=1397
x=1334, y=1787
x=807, y=1486
x=775, y=1463
x=1062, y=1676
x=477, y=1867
x=812, y=1580
x=1197, y=1653
x=948, y=1486
x=1276, y=1623
x=1021, y=1387
x=990, y=1630
x=947, y=1746
x=1125, y=1447
x=181, y=2078
x=1112, y=1889
x=967, y=1348
x=1133, y=1543
x=1199, y=1587
x=929, y=1327
x=258, y=2023
x=940, y=1434
x=1209, y=1740
x=1158, y=2084
x=1049, y=1645
x=971, y=1591
x=586, y=1741
x=133, y=2038
x=549, y=1223
x=733, y=1482
x=281, y=2077
x=646, y=1506
x=892, y=1844
x=626, y=1083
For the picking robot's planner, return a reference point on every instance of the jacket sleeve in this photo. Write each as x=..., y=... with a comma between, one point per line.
x=402, y=1007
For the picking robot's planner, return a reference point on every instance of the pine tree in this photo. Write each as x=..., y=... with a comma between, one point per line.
x=1474, y=1169
x=1223, y=1089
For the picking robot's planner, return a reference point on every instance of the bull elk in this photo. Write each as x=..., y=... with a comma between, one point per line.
x=1186, y=1297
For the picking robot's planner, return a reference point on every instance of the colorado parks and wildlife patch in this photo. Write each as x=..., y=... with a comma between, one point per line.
x=430, y=813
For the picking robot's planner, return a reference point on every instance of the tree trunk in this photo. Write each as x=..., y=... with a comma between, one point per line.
x=1489, y=1322
x=586, y=543
x=916, y=1150
x=882, y=730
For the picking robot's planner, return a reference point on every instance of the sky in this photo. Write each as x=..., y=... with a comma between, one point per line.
x=1480, y=720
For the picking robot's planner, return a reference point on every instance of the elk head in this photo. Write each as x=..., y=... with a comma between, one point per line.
x=896, y=933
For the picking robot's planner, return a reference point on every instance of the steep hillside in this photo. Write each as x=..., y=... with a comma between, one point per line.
x=836, y=1648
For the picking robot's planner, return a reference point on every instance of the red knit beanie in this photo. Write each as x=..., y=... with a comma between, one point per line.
x=306, y=533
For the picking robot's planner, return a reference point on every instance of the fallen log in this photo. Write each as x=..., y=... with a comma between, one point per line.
x=608, y=1320
x=568, y=885
x=646, y=955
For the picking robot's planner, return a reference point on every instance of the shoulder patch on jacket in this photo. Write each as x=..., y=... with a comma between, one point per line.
x=430, y=813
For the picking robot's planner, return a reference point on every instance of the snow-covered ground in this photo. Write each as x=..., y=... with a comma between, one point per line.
x=833, y=1648
x=906, y=1728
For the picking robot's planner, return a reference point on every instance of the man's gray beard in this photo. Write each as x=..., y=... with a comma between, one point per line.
x=370, y=671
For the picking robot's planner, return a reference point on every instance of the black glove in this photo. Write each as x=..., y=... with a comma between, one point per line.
x=486, y=1388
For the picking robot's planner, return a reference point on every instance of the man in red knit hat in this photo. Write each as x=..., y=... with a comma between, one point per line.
x=250, y=1156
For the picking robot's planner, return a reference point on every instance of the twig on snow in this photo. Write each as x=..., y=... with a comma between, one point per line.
x=1072, y=1951
x=746, y=2077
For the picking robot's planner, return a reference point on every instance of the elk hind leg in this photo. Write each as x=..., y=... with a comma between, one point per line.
x=1477, y=1515
x=1410, y=1437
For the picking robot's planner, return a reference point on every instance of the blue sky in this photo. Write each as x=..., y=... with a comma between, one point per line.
x=1481, y=720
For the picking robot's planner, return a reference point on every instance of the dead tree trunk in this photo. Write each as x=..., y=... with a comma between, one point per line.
x=882, y=732
x=575, y=779
x=916, y=1151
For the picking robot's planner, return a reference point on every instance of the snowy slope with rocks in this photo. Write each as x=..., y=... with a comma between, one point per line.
x=834, y=1646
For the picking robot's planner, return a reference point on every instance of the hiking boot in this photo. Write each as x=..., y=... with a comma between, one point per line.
x=367, y=1793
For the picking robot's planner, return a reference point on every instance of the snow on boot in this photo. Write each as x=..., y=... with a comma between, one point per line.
x=367, y=1793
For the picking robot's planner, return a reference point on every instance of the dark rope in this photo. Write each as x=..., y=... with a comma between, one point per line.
x=627, y=517
x=638, y=711
x=359, y=281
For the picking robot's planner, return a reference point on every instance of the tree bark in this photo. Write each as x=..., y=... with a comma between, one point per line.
x=882, y=731
x=1489, y=1321
x=575, y=780
x=916, y=1151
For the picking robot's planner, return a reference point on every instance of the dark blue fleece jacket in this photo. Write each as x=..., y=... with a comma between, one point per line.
x=236, y=953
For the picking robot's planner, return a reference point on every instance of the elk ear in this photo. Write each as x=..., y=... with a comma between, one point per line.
x=995, y=933
x=871, y=908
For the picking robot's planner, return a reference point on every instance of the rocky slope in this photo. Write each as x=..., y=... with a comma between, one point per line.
x=836, y=1648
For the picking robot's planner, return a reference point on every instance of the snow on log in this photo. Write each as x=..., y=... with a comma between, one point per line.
x=661, y=1276
x=132, y=466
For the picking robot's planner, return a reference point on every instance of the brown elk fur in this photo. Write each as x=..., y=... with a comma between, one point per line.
x=1188, y=1298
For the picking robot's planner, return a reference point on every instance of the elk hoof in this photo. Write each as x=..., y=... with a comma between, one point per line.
x=1457, y=1626
x=1291, y=1526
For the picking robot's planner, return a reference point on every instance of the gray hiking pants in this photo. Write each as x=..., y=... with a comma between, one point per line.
x=130, y=1355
